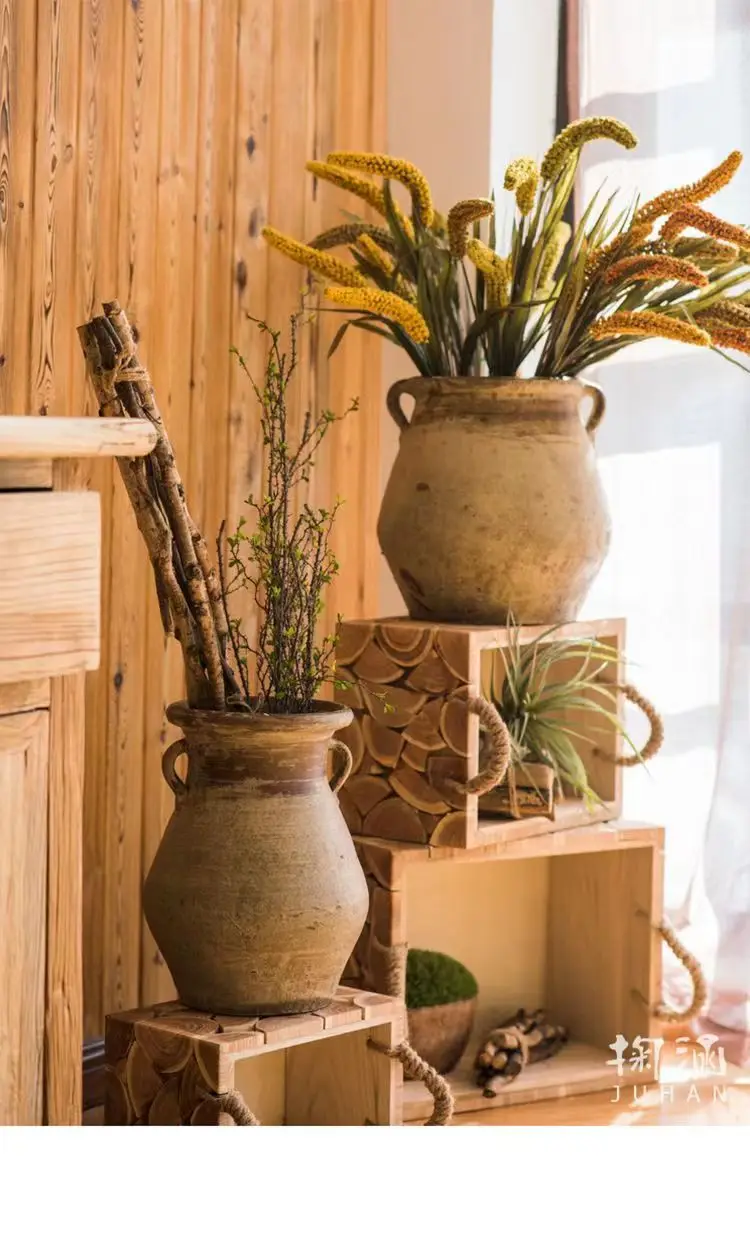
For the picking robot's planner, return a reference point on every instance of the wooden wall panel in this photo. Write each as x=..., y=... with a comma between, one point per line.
x=143, y=146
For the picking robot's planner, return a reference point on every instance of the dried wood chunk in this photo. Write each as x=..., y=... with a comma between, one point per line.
x=352, y=737
x=348, y=691
x=383, y=744
x=165, y=1108
x=451, y=829
x=454, y=647
x=367, y=791
x=415, y=757
x=375, y=668
x=454, y=726
x=414, y=789
x=395, y=820
x=142, y=1079
x=407, y=646
x=354, y=638
x=118, y=1111
x=432, y=676
x=424, y=729
x=394, y=707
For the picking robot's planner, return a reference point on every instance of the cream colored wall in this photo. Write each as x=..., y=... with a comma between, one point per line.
x=471, y=84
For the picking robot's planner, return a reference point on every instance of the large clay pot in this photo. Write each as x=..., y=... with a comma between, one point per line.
x=256, y=896
x=494, y=505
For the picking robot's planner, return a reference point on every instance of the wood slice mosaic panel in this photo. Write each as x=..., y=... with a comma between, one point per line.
x=412, y=737
x=411, y=732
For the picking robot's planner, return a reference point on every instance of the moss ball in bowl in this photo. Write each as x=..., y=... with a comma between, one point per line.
x=441, y=999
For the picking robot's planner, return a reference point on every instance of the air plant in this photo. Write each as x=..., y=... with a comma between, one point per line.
x=534, y=700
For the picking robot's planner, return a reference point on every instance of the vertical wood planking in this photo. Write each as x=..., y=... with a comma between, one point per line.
x=17, y=119
x=168, y=355
x=123, y=660
x=95, y=277
x=142, y=149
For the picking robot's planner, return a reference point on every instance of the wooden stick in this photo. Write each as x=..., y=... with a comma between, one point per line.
x=186, y=596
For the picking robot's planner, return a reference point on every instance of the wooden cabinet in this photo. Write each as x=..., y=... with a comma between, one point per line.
x=24, y=751
x=50, y=578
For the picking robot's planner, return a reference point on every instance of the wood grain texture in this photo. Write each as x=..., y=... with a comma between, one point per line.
x=64, y=1015
x=63, y=437
x=49, y=584
x=142, y=149
x=24, y=741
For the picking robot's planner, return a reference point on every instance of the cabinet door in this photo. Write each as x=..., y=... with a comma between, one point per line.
x=23, y=888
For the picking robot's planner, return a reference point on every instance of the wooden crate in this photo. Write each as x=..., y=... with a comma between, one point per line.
x=412, y=731
x=564, y=923
x=167, y=1065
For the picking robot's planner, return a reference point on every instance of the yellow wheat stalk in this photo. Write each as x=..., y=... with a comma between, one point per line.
x=570, y=140
x=724, y=334
x=629, y=241
x=522, y=176
x=348, y=234
x=495, y=270
x=694, y=193
x=385, y=263
x=363, y=188
x=650, y=268
x=383, y=303
x=553, y=254
x=317, y=261
x=691, y=216
x=393, y=167
x=730, y=312
x=649, y=325
x=461, y=217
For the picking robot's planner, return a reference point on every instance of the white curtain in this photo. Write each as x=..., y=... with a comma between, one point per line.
x=675, y=456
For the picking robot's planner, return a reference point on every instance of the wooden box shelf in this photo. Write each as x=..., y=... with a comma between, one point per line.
x=168, y=1066
x=565, y=922
x=407, y=683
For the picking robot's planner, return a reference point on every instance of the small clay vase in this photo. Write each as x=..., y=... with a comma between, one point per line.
x=440, y=1033
x=256, y=897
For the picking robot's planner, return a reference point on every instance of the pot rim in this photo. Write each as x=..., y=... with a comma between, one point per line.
x=445, y=1005
x=328, y=715
x=495, y=383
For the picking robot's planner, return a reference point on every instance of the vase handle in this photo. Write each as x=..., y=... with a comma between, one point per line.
x=393, y=400
x=342, y=773
x=168, y=760
x=598, y=404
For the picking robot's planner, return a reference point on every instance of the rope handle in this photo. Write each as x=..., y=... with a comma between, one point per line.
x=234, y=1104
x=499, y=750
x=656, y=736
x=418, y=1068
x=693, y=968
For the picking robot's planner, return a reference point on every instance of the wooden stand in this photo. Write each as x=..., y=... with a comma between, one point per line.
x=412, y=734
x=564, y=922
x=168, y=1066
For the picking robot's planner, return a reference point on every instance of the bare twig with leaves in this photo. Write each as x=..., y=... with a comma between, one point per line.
x=286, y=562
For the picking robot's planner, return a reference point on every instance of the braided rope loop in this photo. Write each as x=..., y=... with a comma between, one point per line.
x=233, y=1103
x=417, y=1068
x=499, y=750
x=656, y=737
x=693, y=968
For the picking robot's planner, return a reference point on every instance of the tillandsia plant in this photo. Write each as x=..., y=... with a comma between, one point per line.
x=286, y=561
x=534, y=699
x=549, y=299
